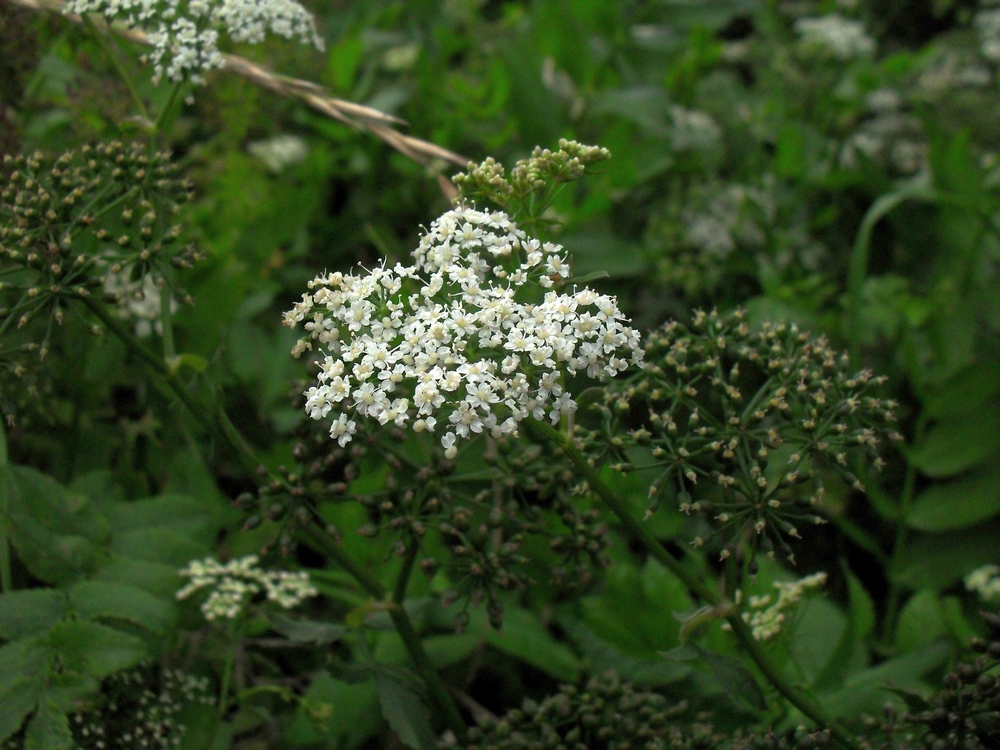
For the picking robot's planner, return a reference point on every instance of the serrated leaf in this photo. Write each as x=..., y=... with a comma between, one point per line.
x=48, y=729
x=406, y=712
x=95, y=648
x=30, y=611
x=179, y=513
x=959, y=503
x=23, y=667
x=920, y=622
x=735, y=679
x=158, y=579
x=103, y=599
x=157, y=544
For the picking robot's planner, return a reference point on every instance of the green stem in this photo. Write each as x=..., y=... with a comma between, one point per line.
x=227, y=674
x=6, y=579
x=399, y=591
x=404, y=626
x=166, y=322
x=102, y=40
x=895, y=594
x=800, y=699
x=161, y=119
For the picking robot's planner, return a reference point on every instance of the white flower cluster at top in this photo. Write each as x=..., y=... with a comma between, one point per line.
x=235, y=583
x=458, y=342
x=841, y=37
x=765, y=615
x=985, y=581
x=185, y=33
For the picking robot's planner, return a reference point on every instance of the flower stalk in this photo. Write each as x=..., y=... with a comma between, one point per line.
x=802, y=700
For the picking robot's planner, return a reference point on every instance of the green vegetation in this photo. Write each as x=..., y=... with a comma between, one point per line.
x=350, y=401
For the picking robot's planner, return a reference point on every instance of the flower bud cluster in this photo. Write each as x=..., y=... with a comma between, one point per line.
x=70, y=221
x=746, y=420
x=233, y=585
x=543, y=169
x=185, y=34
x=608, y=714
x=458, y=344
x=985, y=581
x=142, y=708
x=766, y=615
x=964, y=715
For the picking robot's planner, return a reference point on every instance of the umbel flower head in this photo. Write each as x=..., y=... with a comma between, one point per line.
x=473, y=338
x=749, y=421
x=235, y=583
x=185, y=34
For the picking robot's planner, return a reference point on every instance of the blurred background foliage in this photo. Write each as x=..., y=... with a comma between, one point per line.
x=846, y=182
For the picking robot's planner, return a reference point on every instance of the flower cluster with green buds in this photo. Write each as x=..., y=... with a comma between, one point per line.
x=766, y=615
x=185, y=34
x=69, y=222
x=543, y=170
x=140, y=708
x=608, y=714
x=233, y=585
x=742, y=423
x=964, y=715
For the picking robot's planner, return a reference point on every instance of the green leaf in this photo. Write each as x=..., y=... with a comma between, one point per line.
x=406, y=712
x=961, y=502
x=934, y=561
x=964, y=392
x=734, y=678
x=24, y=665
x=158, y=579
x=103, y=599
x=179, y=513
x=864, y=691
x=30, y=611
x=158, y=544
x=921, y=621
x=306, y=631
x=603, y=656
x=523, y=636
x=96, y=649
x=48, y=729
x=954, y=444
x=195, y=362
x=343, y=714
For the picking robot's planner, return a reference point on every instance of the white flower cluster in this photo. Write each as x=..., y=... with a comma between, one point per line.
x=235, y=583
x=280, y=152
x=987, y=23
x=185, y=33
x=839, y=36
x=693, y=130
x=766, y=615
x=458, y=342
x=139, y=300
x=985, y=581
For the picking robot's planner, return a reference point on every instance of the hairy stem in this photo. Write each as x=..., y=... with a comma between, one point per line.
x=800, y=699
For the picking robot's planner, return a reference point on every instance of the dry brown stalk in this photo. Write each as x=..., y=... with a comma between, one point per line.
x=355, y=115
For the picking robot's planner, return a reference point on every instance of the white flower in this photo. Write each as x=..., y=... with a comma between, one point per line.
x=280, y=151
x=985, y=581
x=139, y=300
x=470, y=337
x=232, y=585
x=185, y=33
x=841, y=37
x=765, y=615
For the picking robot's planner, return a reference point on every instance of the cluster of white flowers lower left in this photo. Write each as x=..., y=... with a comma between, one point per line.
x=471, y=339
x=231, y=586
